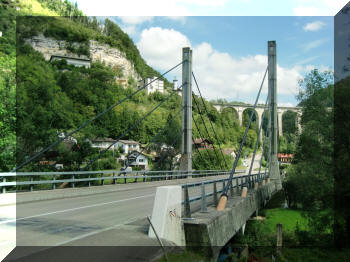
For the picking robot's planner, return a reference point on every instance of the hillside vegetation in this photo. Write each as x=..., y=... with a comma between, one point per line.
x=56, y=97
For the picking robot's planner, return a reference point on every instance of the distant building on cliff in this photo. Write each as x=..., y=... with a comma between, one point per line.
x=153, y=85
x=76, y=61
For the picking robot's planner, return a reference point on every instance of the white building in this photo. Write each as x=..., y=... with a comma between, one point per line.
x=137, y=159
x=103, y=143
x=76, y=61
x=156, y=85
x=128, y=145
x=176, y=87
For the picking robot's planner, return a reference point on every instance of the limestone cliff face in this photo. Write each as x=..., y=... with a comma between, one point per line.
x=98, y=52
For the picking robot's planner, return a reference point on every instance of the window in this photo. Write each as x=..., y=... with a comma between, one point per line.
x=141, y=160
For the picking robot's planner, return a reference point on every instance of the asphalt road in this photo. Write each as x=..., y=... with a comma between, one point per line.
x=103, y=219
x=63, y=221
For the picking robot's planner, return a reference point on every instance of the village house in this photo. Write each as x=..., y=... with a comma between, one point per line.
x=76, y=61
x=126, y=145
x=285, y=158
x=138, y=159
x=103, y=143
x=202, y=143
x=230, y=152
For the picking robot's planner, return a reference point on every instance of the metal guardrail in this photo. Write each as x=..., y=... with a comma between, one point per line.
x=238, y=182
x=53, y=178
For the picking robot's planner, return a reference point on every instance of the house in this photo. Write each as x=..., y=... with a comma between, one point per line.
x=202, y=143
x=138, y=159
x=153, y=85
x=76, y=61
x=176, y=87
x=230, y=152
x=128, y=146
x=285, y=158
x=103, y=143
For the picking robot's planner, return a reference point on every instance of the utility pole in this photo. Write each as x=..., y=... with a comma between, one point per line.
x=186, y=150
x=273, y=124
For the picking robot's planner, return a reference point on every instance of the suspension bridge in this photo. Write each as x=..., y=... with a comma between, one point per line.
x=199, y=209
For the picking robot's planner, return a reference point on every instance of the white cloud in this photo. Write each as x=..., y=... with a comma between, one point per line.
x=314, y=26
x=218, y=73
x=162, y=47
x=314, y=44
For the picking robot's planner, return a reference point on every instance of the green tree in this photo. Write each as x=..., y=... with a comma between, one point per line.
x=310, y=179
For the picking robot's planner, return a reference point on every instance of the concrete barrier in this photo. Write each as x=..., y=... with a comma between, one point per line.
x=166, y=215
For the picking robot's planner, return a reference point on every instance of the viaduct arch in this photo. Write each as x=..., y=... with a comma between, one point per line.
x=260, y=110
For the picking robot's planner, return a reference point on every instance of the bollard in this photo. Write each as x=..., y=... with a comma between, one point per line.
x=144, y=177
x=237, y=187
x=222, y=203
x=114, y=178
x=53, y=185
x=31, y=185
x=203, y=204
x=124, y=179
x=3, y=190
x=72, y=183
x=244, y=192
x=89, y=183
x=215, y=194
x=256, y=185
x=187, y=203
x=102, y=180
x=279, y=239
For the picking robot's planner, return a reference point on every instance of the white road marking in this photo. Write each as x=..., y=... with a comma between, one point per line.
x=74, y=209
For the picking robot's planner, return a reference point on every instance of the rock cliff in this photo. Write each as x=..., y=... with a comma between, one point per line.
x=98, y=52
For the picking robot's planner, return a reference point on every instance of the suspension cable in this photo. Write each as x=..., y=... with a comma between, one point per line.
x=205, y=126
x=263, y=152
x=257, y=143
x=224, y=192
x=89, y=121
x=200, y=154
x=130, y=129
x=211, y=124
x=206, y=149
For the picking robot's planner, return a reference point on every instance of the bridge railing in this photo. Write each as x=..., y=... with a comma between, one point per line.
x=207, y=191
x=29, y=181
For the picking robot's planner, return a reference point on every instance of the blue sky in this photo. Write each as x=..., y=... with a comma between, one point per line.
x=229, y=51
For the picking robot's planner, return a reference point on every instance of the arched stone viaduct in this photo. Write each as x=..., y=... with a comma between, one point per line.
x=240, y=108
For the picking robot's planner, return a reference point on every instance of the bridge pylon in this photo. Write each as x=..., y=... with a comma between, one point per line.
x=273, y=120
x=186, y=149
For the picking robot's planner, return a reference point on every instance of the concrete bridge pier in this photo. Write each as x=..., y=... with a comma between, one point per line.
x=208, y=232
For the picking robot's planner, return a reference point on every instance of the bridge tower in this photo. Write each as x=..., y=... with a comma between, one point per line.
x=273, y=122
x=186, y=149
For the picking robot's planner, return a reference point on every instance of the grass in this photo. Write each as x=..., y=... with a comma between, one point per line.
x=287, y=217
